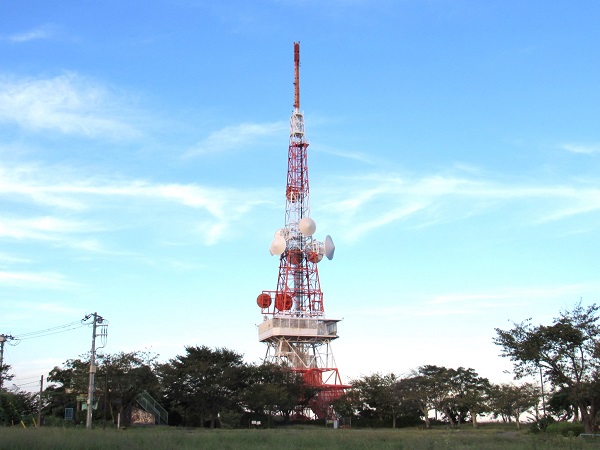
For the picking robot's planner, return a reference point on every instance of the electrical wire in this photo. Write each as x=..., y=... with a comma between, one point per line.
x=32, y=383
x=27, y=378
x=59, y=327
x=50, y=334
x=49, y=331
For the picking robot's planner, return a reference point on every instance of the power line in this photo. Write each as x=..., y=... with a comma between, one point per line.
x=50, y=333
x=26, y=384
x=20, y=379
x=53, y=330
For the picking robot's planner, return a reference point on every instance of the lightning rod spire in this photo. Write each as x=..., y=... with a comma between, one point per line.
x=297, y=76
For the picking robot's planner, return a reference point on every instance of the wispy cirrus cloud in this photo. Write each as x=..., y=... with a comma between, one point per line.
x=8, y=258
x=79, y=209
x=585, y=149
x=40, y=228
x=351, y=155
x=67, y=104
x=365, y=203
x=517, y=295
x=480, y=302
x=45, y=280
x=234, y=137
x=34, y=34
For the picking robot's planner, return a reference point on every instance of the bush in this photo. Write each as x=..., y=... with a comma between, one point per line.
x=541, y=424
x=565, y=428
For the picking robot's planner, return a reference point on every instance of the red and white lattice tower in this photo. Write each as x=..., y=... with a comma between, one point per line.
x=295, y=329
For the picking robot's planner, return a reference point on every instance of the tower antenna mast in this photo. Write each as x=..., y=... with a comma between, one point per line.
x=296, y=76
x=294, y=328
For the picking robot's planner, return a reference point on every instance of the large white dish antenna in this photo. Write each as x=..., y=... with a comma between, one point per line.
x=278, y=245
x=307, y=226
x=329, y=247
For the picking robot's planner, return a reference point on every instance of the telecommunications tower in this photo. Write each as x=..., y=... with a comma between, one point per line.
x=295, y=329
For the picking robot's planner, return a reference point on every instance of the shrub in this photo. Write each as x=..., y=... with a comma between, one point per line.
x=541, y=424
x=565, y=428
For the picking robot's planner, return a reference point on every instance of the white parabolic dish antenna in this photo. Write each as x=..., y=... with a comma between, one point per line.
x=307, y=226
x=329, y=247
x=278, y=245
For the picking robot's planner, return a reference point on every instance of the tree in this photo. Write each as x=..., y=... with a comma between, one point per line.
x=561, y=405
x=16, y=405
x=119, y=379
x=347, y=404
x=510, y=401
x=383, y=397
x=377, y=396
x=456, y=393
x=470, y=392
x=432, y=390
x=204, y=383
x=5, y=375
x=420, y=391
x=275, y=389
x=65, y=383
x=566, y=352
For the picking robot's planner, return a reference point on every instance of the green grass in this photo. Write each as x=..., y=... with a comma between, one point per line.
x=296, y=437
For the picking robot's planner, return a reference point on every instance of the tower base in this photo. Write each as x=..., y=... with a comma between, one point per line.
x=304, y=345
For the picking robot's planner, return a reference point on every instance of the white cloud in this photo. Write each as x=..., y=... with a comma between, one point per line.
x=77, y=206
x=365, y=203
x=48, y=307
x=67, y=104
x=387, y=217
x=500, y=297
x=43, y=32
x=40, y=228
x=235, y=137
x=353, y=155
x=6, y=258
x=481, y=303
x=40, y=280
x=582, y=148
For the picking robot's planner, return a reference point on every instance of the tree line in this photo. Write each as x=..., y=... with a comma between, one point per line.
x=452, y=396
x=202, y=387
x=212, y=387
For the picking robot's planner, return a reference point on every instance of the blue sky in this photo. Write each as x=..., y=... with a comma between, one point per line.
x=454, y=159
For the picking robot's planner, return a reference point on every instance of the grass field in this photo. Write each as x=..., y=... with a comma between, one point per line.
x=297, y=437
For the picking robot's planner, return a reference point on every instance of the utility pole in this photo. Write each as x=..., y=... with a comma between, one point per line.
x=40, y=401
x=542, y=385
x=98, y=320
x=3, y=339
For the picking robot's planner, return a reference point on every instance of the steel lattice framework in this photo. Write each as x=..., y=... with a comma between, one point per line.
x=295, y=329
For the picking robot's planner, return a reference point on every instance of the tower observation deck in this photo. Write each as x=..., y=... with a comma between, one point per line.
x=294, y=328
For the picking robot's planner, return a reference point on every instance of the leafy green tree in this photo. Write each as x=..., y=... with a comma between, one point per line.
x=5, y=375
x=510, y=401
x=65, y=384
x=456, y=393
x=419, y=391
x=566, y=352
x=435, y=391
x=204, y=383
x=275, y=389
x=347, y=404
x=470, y=391
x=383, y=397
x=377, y=396
x=16, y=405
x=119, y=379
x=561, y=405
